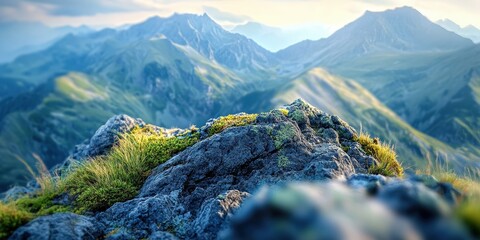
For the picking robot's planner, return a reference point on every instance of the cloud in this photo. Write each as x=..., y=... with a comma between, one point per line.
x=278, y=13
x=225, y=16
x=75, y=7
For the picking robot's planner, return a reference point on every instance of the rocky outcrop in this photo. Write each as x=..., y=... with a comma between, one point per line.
x=59, y=227
x=237, y=184
x=106, y=136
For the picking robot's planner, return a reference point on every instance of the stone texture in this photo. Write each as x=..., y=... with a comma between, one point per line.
x=59, y=227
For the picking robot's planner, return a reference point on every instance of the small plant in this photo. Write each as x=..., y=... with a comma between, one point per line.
x=468, y=208
x=384, y=153
x=11, y=217
x=231, y=121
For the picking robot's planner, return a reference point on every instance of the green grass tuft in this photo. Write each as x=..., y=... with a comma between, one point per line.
x=468, y=209
x=384, y=153
x=11, y=217
x=118, y=176
x=98, y=183
x=231, y=121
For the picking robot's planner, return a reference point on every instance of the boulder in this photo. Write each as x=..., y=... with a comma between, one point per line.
x=194, y=194
x=59, y=226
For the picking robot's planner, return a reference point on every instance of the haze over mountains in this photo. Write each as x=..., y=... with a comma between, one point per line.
x=275, y=38
x=394, y=73
x=18, y=38
x=469, y=31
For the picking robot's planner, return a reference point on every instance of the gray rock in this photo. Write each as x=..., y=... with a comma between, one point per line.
x=162, y=236
x=215, y=214
x=106, y=136
x=15, y=193
x=428, y=211
x=364, y=180
x=445, y=190
x=413, y=200
x=329, y=135
x=315, y=211
x=140, y=217
x=181, y=196
x=59, y=226
x=245, y=157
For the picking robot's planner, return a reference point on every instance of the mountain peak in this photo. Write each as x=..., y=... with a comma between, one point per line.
x=404, y=9
x=204, y=35
x=402, y=28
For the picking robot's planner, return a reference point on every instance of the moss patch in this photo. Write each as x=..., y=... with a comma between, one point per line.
x=283, y=161
x=283, y=135
x=231, y=121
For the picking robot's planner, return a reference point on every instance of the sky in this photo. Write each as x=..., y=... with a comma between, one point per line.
x=278, y=13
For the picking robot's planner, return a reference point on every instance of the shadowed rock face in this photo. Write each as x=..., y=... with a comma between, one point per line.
x=205, y=191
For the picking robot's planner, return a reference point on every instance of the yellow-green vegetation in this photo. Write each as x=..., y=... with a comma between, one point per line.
x=79, y=88
x=118, y=176
x=231, y=121
x=11, y=217
x=298, y=116
x=468, y=210
x=284, y=111
x=284, y=134
x=469, y=214
x=384, y=153
x=100, y=182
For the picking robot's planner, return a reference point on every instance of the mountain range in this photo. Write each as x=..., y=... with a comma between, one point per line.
x=469, y=31
x=393, y=73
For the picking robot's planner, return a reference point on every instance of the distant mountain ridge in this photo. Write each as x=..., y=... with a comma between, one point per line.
x=19, y=38
x=206, y=37
x=469, y=31
x=399, y=30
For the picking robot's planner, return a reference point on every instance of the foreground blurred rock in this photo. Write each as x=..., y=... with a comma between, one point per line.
x=299, y=175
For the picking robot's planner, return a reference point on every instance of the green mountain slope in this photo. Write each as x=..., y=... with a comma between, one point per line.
x=436, y=93
x=363, y=110
x=72, y=107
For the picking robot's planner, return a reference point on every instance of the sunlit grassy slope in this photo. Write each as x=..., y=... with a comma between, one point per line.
x=69, y=113
x=437, y=93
